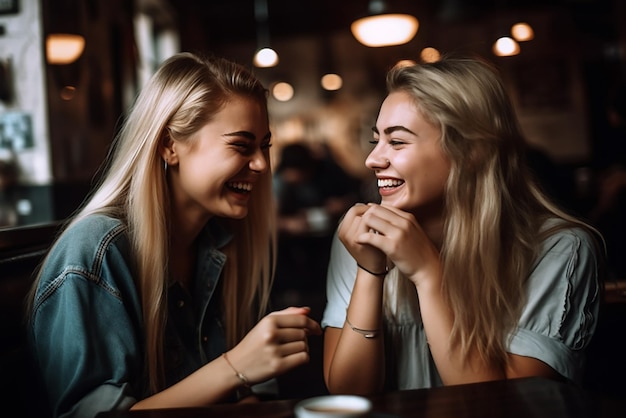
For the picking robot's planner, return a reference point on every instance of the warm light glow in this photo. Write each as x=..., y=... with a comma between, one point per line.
x=67, y=93
x=430, y=54
x=282, y=91
x=64, y=48
x=331, y=82
x=505, y=47
x=405, y=63
x=522, y=32
x=266, y=57
x=385, y=30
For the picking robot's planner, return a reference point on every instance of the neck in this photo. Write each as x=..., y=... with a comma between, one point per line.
x=431, y=219
x=433, y=228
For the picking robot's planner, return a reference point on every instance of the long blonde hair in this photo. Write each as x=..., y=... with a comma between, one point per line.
x=181, y=97
x=494, y=208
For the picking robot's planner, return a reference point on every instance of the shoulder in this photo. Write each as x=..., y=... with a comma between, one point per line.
x=94, y=233
x=568, y=240
x=87, y=246
x=96, y=225
x=567, y=264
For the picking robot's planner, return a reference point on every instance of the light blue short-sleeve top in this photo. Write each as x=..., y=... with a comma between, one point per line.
x=556, y=324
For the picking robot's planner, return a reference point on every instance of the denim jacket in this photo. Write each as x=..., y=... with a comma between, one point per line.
x=87, y=329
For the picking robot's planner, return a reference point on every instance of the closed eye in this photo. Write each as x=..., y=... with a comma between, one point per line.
x=392, y=142
x=242, y=145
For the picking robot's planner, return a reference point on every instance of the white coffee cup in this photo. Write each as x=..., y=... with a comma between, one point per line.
x=333, y=406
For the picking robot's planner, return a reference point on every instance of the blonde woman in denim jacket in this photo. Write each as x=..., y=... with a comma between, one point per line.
x=156, y=293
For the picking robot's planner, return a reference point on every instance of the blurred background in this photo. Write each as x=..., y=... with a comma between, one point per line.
x=69, y=69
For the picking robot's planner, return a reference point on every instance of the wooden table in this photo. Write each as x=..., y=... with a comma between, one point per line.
x=523, y=398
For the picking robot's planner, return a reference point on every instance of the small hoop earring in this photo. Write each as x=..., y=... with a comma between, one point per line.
x=165, y=165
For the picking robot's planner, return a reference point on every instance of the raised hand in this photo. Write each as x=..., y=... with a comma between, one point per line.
x=351, y=230
x=398, y=235
x=277, y=344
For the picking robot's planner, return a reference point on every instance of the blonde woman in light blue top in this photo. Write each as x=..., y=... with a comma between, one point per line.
x=465, y=271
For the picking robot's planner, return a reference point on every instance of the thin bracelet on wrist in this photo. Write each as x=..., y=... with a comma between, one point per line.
x=381, y=274
x=241, y=376
x=367, y=333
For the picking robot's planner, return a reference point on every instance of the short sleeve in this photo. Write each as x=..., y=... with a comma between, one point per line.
x=339, y=284
x=561, y=311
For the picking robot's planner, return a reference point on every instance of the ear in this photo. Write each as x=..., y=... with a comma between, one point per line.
x=167, y=148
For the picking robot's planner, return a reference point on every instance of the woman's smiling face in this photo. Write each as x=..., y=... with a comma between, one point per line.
x=408, y=161
x=219, y=167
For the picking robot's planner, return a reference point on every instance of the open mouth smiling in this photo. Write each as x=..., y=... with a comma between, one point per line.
x=389, y=183
x=239, y=186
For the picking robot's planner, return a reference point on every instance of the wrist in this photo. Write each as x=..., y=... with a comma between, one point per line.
x=378, y=272
x=243, y=379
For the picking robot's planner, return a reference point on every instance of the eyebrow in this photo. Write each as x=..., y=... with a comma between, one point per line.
x=249, y=135
x=393, y=129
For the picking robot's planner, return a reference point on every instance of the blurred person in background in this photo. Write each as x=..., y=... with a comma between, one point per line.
x=312, y=193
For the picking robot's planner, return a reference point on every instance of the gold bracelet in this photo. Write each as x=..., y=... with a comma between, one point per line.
x=241, y=376
x=367, y=333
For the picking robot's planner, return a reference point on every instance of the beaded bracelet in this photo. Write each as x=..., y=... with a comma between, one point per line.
x=381, y=274
x=240, y=375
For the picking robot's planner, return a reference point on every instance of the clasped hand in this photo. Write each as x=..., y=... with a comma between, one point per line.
x=374, y=233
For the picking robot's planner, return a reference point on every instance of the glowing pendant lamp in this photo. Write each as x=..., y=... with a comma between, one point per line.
x=384, y=29
x=265, y=56
x=64, y=48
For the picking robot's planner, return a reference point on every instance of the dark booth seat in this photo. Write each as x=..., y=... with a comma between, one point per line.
x=21, y=251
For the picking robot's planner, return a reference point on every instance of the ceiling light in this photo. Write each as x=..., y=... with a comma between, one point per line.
x=64, y=48
x=282, y=91
x=405, y=63
x=331, y=82
x=522, y=32
x=430, y=54
x=506, y=47
x=265, y=57
x=384, y=29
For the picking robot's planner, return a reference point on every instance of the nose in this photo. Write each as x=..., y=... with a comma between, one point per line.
x=259, y=161
x=376, y=159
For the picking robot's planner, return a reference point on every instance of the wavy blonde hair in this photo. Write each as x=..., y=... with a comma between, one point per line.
x=494, y=207
x=181, y=97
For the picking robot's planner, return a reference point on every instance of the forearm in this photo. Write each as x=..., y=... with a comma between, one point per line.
x=357, y=361
x=212, y=383
x=452, y=366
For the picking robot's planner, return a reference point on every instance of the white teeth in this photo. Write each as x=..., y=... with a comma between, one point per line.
x=240, y=186
x=389, y=182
